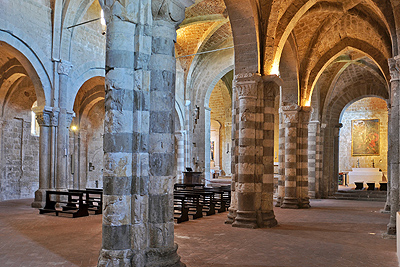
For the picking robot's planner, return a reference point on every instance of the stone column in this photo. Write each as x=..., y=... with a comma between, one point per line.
x=267, y=216
x=234, y=157
x=281, y=161
x=43, y=118
x=162, y=251
x=302, y=164
x=291, y=120
x=124, y=239
x=180, y=155
x=64, y=68
x=296, y=156
x=312, y=157
x=393, y=142
x=254, y=185
x=386, y=208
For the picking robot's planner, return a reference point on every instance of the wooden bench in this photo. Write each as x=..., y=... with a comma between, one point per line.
x=73, y=201
x=192, y=202
x=92, y=197
x=181, y=212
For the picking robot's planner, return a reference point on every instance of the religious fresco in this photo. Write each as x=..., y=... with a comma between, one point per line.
x=365, y=137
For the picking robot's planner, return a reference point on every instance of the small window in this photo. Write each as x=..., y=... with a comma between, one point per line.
x=35, y=128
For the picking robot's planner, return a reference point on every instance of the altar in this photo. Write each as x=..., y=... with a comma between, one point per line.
x=366, y=175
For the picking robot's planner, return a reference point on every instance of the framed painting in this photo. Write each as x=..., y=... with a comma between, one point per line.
x=365, y=137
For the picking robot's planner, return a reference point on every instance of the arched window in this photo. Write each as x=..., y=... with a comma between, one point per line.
x=35, y=129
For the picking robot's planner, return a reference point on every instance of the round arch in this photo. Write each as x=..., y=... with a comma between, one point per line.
x=32, y=60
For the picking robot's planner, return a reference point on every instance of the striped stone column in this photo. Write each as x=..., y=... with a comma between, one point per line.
x=270, y=90
x=291, y=120
x=234, y=157
x=281, y=161
x=296, y=156
x=393, y=142
x=386, y=208
x=180, y=155
x=302, y=164
x=253, y=152
x=312, y=157
x=162, y=251
x=124, y=238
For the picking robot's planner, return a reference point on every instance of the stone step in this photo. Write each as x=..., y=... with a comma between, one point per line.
x=360, y=195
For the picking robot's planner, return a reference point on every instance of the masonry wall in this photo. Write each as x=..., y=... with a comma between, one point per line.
x=221, y=111
x=367, y=108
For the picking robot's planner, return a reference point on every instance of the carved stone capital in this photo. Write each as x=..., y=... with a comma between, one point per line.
x=69, y=117
x=246, y=84
x=64, y=67
x=170, y=10
x=43, y=118
x=54, y=119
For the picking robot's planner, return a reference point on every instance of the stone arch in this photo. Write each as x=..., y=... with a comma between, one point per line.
x=289, y=73
x=326, y=59
x=32, y=61
x=295, y=11
x=244, y=22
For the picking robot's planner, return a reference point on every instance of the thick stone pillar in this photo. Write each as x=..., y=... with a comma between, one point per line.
x=64, y=68
x=253, y=154
x=266, y=218
x=43, y=118
x=162, y=250
x=393, y=142
x=125, y=237
x=386, y=208
x=296, y=156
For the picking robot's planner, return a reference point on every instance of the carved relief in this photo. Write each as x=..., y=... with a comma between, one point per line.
x=64, y=67
x=394, y=68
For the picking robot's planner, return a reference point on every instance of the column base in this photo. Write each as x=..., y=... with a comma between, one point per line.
x=290, y=203
x=158, y=257
x=391, y=229
x=40, y=199
x=304, y=203
x=278, y=202
x=267, y=219
x=231, y=216
x=115, y=258
x=246, y=219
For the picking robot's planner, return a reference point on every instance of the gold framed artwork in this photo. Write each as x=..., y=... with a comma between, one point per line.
x=365, y=137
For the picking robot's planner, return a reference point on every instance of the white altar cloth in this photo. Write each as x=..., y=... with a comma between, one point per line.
x=366, y=175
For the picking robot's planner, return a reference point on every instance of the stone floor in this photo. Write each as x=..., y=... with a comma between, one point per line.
x=331, y=233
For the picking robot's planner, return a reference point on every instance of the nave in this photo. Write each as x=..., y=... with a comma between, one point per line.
x=332, y=233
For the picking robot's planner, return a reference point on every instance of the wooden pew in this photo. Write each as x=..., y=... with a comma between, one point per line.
x=181, y=212
x=73, y=203
x=92, y=197
x=192, y=202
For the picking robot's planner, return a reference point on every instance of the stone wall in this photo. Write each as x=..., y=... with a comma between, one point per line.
x=19, y=160
x=366, y=108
